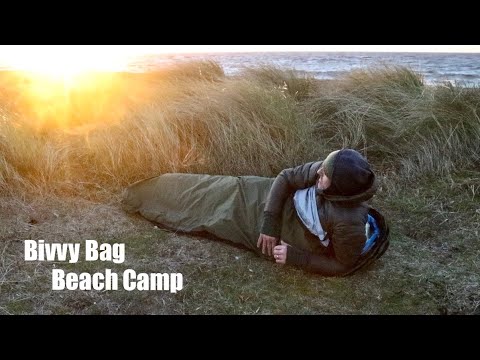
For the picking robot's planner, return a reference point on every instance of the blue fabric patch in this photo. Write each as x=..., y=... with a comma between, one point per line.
x=374, y=234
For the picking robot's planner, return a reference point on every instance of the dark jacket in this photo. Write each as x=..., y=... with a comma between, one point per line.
x=342, y=217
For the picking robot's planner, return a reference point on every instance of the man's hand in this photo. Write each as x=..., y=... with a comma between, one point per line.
x=267, y=243
x=280, y=253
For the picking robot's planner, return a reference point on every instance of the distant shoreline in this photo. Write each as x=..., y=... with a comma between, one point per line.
x=435, y=68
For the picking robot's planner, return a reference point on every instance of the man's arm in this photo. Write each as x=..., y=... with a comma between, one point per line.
x=316, y=263
x=348, y=242
x=286, y=183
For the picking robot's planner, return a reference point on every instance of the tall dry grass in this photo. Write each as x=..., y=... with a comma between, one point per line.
x=192, y=118
x=398, y=121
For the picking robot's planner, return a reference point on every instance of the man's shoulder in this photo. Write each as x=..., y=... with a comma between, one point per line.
x=349, y=212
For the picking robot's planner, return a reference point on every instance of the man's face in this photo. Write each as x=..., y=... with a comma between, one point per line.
x=323, y=181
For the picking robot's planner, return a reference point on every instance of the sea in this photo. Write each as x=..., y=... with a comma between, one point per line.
x=457, y=68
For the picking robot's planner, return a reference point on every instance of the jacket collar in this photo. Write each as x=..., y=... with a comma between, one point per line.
x=358, y=198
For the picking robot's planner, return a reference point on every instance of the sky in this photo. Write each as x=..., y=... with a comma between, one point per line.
x=9, y=51
x=350, y=48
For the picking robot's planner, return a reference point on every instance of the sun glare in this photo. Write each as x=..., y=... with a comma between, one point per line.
x=64, y=62
x=65, y=72
x=67, y=66
x=65, y=86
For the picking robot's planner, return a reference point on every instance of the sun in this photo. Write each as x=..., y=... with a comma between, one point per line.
x=67, y=86
x=66, y=73
x=65, y=62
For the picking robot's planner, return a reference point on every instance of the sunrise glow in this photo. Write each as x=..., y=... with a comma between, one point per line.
x=60, y=85
x=63, y=62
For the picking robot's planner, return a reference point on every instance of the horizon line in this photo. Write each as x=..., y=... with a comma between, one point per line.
x=307, y=51
x=192, y=49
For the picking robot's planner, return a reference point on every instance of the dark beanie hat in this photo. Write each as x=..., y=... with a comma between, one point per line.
x=350, y=173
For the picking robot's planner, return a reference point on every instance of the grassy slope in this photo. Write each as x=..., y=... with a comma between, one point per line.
x=418, y=274
x=421, y=140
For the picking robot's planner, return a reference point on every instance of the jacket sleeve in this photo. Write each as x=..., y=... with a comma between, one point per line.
x=285, y=184
x=320, y=264
x=348, y=240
